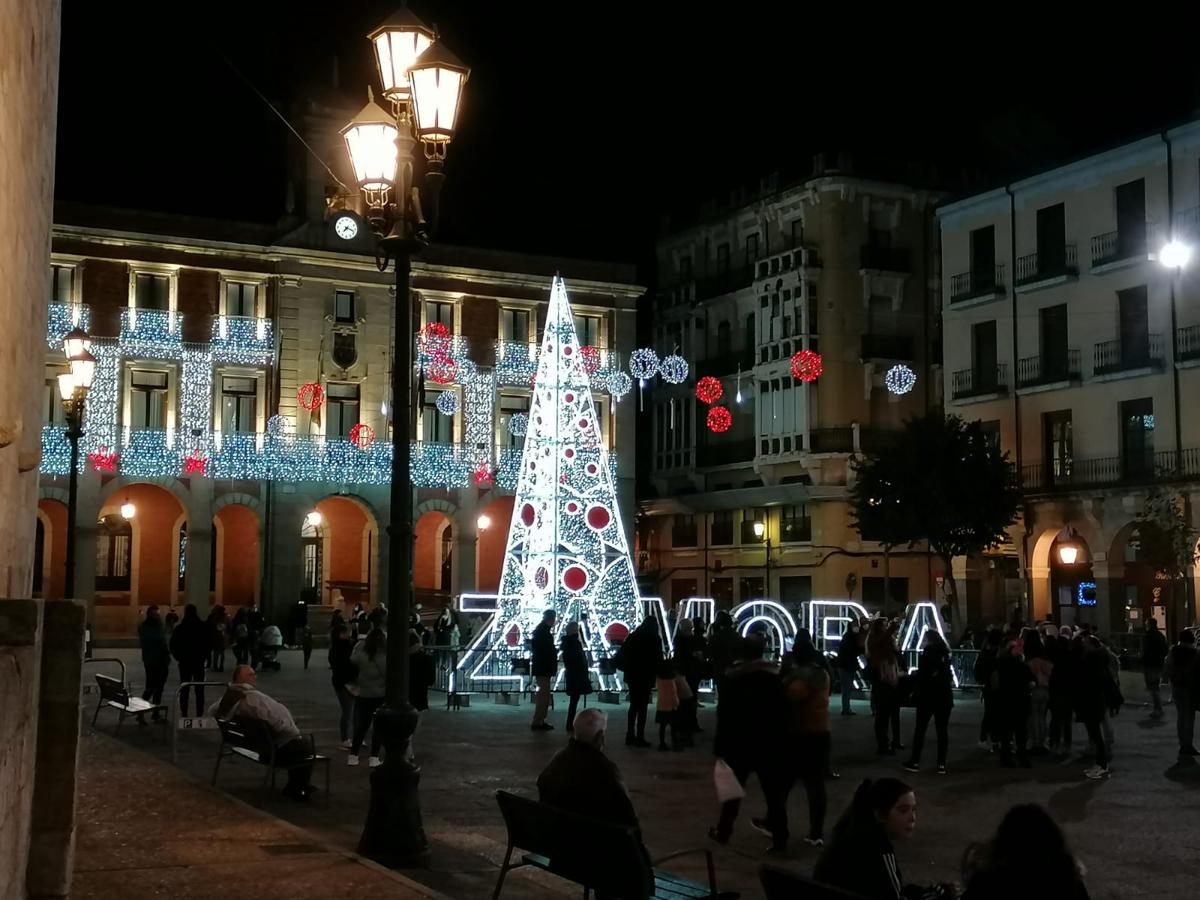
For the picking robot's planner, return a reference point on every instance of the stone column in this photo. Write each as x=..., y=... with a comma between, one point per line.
x=199, y=545
x=466, y=542
x=20, y=629
x=1102, y=613
x=52, y=838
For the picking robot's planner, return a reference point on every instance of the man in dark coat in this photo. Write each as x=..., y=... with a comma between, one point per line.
x=1183, y=672
x=543, y=666
x=638, y=660
x=191, y=646
x=1154, y=654
x=582, y=780
x=156, y=658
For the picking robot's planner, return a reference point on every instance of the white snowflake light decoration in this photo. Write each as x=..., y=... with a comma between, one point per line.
x=619, y=384
x=518, y=424
x=643, y=363
x=674, y=369
x=900, y=379
x=447, y=403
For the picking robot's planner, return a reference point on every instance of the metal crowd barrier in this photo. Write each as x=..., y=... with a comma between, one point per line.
x=191, y=723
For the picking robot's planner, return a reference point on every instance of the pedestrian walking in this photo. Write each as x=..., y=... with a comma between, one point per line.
x=343, y=674
x=370, y=687
x=725, y=647
x=935, y=698
x=1042, y=668
x=1154, y=654
x=543, y=667
x=1095, y=694
x=1061, y=702
x=848, y=652
x=808, y=739
x=191, y=648
x=861, y=856
x=1028, y=854
x=638, y=660
x=156, y=658
x=422, y=672
x=218, y=628
x=1013, y=683
x=1182, y=670
x=666, y=708
x=750, y=741
x=883, y=661
x=577, y=678
x=985, y=665
x=239, y=630
x=689, y=655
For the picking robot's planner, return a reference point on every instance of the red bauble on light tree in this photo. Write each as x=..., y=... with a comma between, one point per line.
x=719, y=419
x=807, y=365
x=310, y=396
x=362, y=436
x=195, y=464
x=709, y=390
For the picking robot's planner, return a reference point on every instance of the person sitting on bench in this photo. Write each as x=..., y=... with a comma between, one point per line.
x=581, y=779
x=243, y=701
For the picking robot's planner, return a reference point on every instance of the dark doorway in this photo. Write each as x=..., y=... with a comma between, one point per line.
x=1131, y=217
x=1051, y=239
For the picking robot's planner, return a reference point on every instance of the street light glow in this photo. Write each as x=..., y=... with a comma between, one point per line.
x=484, y=522
x=66, y=386
x=128, y=510
x=1175, y=254
x=314, y=519
x=1068, y=553
x=759, y=528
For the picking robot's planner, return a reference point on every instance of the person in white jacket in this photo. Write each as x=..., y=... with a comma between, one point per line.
x=370, y=688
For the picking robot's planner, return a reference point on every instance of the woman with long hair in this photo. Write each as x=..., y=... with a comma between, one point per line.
x=935, y=699
x=860, y=857
x=1028, y=854
x=576, y=675
x=883, y=662
x=370, y=687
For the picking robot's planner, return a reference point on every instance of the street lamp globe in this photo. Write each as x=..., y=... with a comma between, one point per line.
x=75, y=342
x=1175, y=254
x=128, y=510
x=66, y=386
x=398, y=42
x=83, y=370
x=371, y=142
x=484, y=522
x=759, y=528
x=437, y=79
x=1068, y=553
x=314, y=518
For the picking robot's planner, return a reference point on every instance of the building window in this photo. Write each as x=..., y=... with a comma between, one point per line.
x=750, y=518
x=114, y=553
x=751, y=588
x=52, y=406
x=310, y=555
x=588, y=330
x=62, y=285
x=683, y=531
x=991, y=433
x=1137, y=438
x=343, y=409
x=239, y=396
x=797, y=232
x=1058, y=449
x=511, y=405
x=343, y=307
x=514, y=325
x=443, y=314
x=685, y=268
x=724, y=338
x=147, y=400
x=151, y=291
x=722, y=259
x=722, y=527
x=435, y=427
x=241, y=299
x=751, y=248
x=795, y=525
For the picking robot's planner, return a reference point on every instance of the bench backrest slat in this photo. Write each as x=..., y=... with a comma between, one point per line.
x=607, y=857
x=112, y=689
x=247, y=734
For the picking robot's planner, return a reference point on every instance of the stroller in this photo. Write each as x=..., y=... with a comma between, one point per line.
x=269, y=644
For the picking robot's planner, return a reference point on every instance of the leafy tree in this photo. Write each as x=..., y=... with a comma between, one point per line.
x=1167, y=536
x=942, y=481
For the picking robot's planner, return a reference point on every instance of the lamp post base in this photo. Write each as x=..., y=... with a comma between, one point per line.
x=394, y=835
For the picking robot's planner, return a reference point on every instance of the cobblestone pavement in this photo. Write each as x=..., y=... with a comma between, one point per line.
x=1138, y=833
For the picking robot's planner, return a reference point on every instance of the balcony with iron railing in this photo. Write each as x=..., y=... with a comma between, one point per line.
x=979, y=382
x=1128, y=354
x=151, y=328
x=1132, y=468
x=242, y=339
x=887, y=347
x=789, y=260
x=1048, y=368
x=61, y=318
x=517, y=362
x=1044, y=265
x=1187, y=343
x=977, y=284
x=885, y=259
x=1119, y=246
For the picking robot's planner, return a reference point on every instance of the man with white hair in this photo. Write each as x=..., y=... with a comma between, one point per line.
x=583, y=780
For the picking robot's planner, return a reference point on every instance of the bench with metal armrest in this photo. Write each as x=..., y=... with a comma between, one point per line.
x=250, y=740
x=115, y=695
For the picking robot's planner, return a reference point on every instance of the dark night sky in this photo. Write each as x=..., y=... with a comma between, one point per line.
x=585, y=122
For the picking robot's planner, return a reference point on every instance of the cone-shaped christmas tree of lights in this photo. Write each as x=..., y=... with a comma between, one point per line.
x=566, y=546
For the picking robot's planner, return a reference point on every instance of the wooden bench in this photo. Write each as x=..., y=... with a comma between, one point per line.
x=783, y=884
x=602, y=857
x=115, y=695
x=252, y=740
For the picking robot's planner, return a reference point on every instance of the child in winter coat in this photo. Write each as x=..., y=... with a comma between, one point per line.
x=667, y=710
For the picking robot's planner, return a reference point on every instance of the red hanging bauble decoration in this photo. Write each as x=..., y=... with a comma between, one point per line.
x=436, y=330
x=483, y=477
x=590, y=356
x=807, y=365
x=103, y=461
x=442, y=370
x=709, y=390
x=195, y=464
x=362, y=436
x=719, y=419
x=310, y=396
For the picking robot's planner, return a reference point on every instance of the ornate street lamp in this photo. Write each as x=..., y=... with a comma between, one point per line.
x=73, y=388
x=424, y=84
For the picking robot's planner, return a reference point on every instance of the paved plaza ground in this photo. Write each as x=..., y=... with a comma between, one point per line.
x=1138, y=833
